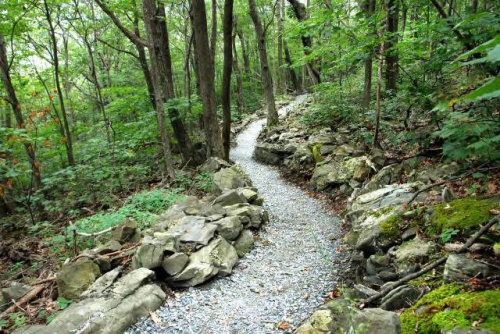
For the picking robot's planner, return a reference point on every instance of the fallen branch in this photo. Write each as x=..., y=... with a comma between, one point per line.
x=121, y=251
x=46, y=280
x=24, y=300
x=429, y=267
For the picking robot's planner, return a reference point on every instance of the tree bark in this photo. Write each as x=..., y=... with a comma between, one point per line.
x=226, y=77
x=206, y=79
x=369, y=9
x=68, y=142
x=155, y=35
x=239, y=83
x=213, y=33
x=17, y=110
x=281, y=71
x=295, y=81
x=267, y=81
x=391, y=55
x=301, y=14
x=244, y=51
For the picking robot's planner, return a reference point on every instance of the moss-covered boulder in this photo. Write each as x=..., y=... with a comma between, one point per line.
x=460, y=214
x=75, y=277
x=451, y=307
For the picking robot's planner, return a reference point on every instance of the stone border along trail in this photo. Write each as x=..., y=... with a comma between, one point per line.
x=285, y=277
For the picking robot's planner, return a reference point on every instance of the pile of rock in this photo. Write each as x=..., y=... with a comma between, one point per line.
x=195, y=240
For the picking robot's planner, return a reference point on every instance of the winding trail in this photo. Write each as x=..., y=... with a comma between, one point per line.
x=282, y=280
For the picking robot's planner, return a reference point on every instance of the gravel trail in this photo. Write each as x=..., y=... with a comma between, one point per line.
x=282, y=280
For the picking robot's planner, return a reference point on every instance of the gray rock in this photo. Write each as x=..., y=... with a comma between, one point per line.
x=387, y=196
x=175, y=263
x=250, y=215
x=414, y=251
x=364, y=291
x=301, y=160
x=373, y=281
x=148, y=256
x=193, y=229
x=245, y=242
x=75, y=277
x=459, y=268
x=109, y=247
x=270, y=154
x=32, y=329
x=102, y=283
x=386, y=275
x=326, y=149
x=229, y=178
x=129, y=299
x=467, y=331
x=322, y=138
x=409, y=233
x=230, y=197
x=335, y=173
x=401, y=297
x=214, y=164
x=340, y=316
x=218, y=257
x=377, y=263
x=250, y=194
x=229, y=228
x=125, y=231
x=14, y=291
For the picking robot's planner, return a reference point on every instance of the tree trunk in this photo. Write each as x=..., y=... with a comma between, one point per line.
x=391, y=58
x=226, y=77
x=239, y=83
x=293, y=75
x=300, y=13
x=244, y=51
x=155, y=35
x=206, y=79
x=280, y=8
x=267, y=81
x=369, y=9
x=68, y=142
x=17, y=110
x=213, y=33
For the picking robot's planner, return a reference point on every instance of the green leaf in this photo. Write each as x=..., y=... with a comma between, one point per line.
x=489, y=90
x=481, y=48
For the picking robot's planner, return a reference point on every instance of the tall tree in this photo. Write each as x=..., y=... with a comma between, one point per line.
x=267, y=80
x=11, y=98
x=153, y=22
x=368, y=7
x=68, y=141
x=227, y=27
x=391, y=53
x=301, y=14
x=206, y=79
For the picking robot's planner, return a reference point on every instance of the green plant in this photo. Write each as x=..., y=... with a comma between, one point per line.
x=448, y=234
x=203, y=181
x=63, y=302
x=18, y=318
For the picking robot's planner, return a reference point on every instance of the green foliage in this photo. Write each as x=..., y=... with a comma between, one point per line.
x=18, y=318
x=63, y=302
x=203, y=181
x=448, y=234
x=451, y=307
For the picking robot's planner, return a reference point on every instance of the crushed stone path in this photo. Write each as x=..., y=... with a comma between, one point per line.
x=281, y=282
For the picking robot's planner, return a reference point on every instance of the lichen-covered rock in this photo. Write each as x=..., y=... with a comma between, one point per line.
x=150, y=254
x=250, y=194
x=244, y=244
x=229, y=198
x=229, y=228
x=13, y=292
x=109, y=247
x=75, y=277
x=250, y=215
x=414, y=252
x=387, y=196
x=229, y=178
x=334, y=173
x=301, y=160
x=340, y=316
x=125, y=231
x=218, y=257
x=214, y=164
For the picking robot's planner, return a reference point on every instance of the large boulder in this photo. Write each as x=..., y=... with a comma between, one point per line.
x=175, y=263
x=13, y=292
x=213, y=165
x=270, y=154
x=229, y=178
x=111, y=310
x=335, y=173
x=193, y=229
x=126, y=231
x=301, y=160
x=218, y=257
x=75, y=277
x=150, y=254
x=250, y=215
x=230, y=197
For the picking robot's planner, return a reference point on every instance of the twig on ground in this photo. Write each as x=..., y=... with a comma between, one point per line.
x=430, y=266
x=122, y=251
x=46, y=280
x=27, y=298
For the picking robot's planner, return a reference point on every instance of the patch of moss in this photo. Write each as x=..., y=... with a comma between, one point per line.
x=461, y=214
x=450, y=307
x=316, y=153
x=391, y=227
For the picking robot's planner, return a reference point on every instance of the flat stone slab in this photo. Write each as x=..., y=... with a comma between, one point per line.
x=194, y=229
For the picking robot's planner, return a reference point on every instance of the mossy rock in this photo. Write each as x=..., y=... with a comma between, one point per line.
x=317, y=153
x=461, y=214
x=450, y=307
x=391, y=228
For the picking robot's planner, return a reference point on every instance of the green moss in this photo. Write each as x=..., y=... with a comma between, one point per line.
x=461, y=214
x=391, y=226
x=316, y=153
x=496, y=245
x=449, y=307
